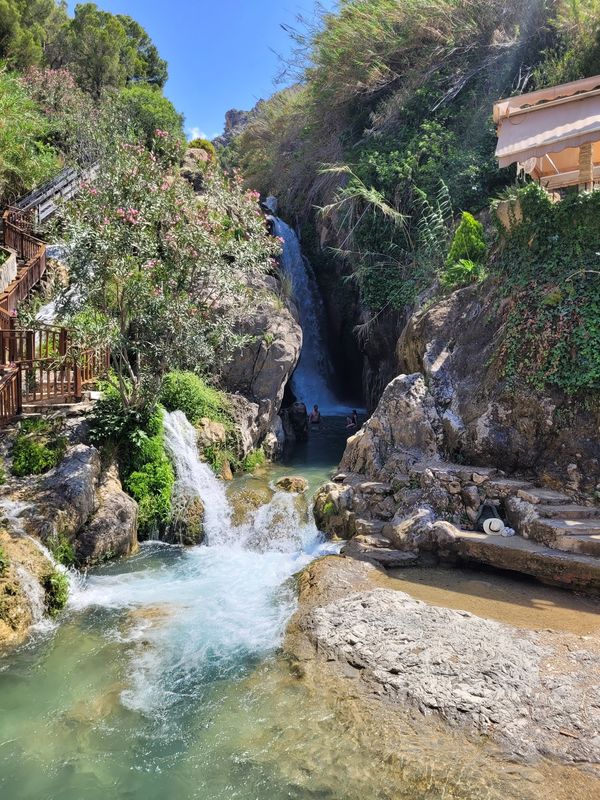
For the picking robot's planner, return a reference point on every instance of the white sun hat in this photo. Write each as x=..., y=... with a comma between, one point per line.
x=493, y=526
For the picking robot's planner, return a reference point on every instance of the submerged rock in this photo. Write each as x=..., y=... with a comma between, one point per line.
x=292, y=483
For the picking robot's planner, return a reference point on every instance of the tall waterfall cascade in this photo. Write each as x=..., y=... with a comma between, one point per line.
x=312, y=379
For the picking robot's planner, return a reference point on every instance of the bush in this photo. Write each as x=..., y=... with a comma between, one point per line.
x=185, y=391
x=468, y=243
x=148, y=111
x=254, y=459
x=37, y=449
x=4, y=563
x=152, y=487
x=461, y=273
x=56, y=587
x=204, y=144
x=62, y=549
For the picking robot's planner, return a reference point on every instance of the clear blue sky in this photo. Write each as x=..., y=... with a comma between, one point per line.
x=221, y=53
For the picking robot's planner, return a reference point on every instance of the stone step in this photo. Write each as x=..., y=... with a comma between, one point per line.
x=588, y=545
x=373, y=540
x=569, y=527
x=503, y=487
x=384, y=556
x=572, y=570
x=368, y=527
x=548, y=497
x=568, y=512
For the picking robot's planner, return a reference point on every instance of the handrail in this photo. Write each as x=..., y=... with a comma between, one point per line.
x=43, y=366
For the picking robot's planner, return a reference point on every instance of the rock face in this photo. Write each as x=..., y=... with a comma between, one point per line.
x=404, y=429
x=453, y=344
x=112, y=530
x=261, y=370
x=534, y=693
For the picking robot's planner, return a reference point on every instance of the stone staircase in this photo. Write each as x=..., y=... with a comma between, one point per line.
x=557, y=534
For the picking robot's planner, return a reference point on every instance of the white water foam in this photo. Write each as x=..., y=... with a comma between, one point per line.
x=204, y=612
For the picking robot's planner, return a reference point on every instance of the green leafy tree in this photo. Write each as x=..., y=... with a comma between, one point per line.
x=146, y=110
x=146, y=64
x=161, y=272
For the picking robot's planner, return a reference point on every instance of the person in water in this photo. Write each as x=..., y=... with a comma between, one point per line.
x=315, y=416
x=352, y=420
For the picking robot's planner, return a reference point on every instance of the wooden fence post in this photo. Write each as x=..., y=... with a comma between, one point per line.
x=78, y=383
x=19, y=390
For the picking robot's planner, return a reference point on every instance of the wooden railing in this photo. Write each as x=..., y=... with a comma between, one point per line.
x=42, y=365
x=18, y=236
x=10, y=396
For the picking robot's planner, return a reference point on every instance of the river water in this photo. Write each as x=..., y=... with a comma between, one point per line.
x=163, y=678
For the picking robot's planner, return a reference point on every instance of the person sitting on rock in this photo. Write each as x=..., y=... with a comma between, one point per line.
x=352, y=420
x=315, y=416
x=491, y=523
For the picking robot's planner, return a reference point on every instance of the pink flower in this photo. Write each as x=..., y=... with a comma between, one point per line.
x=161, y=134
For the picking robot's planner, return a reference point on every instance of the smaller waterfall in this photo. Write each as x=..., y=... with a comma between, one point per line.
x=195, y=478
x=312, y=379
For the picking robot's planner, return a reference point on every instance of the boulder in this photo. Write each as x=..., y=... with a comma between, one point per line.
x=65, y=499
x=274, y=441
x=210, y=433
x=292, y=483
x=405, y=429
x=112, y=530
x=295, y=422
x=187, y=526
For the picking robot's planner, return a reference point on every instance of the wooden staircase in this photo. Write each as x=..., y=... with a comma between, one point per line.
x=41, y=366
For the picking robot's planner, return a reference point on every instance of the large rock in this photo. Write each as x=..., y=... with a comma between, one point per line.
x=292, y=483
x=453, y=344
x=262, y=368
x=112, y=530
x=65, y=499
x=405, y=429
x=534, y=693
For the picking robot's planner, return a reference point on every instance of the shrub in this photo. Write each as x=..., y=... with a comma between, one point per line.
x=56, y=587
x=62, y=549
x=204, y=144
x=37, y=449
x=148, y=111
x=2, y=475
x=468, y=242
x=254, y=459
x=3, y=562
x=152, y=487
x=185, y=391
x=461, y=273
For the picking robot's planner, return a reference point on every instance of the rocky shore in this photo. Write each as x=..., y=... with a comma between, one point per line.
x=533, y=693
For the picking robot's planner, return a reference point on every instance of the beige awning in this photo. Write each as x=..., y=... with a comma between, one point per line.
x=548, y=128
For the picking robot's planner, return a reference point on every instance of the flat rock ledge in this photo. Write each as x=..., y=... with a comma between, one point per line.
x=536, y=694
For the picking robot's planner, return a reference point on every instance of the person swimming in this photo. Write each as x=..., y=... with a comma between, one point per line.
x=352, y=420
x=315, y=416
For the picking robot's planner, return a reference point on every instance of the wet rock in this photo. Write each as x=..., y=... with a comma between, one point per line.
x=112, y=531
x=274, y=441
x=292, y=483
x=210, y=433
x=411, y=532
x=187, y=526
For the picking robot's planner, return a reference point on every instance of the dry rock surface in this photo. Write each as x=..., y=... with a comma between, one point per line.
x=537, y=694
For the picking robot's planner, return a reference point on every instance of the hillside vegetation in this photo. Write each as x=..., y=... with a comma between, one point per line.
x=387, y=138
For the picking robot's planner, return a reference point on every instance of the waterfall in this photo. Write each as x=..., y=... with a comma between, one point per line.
x=312, y=379
x=279, y=526
x=195, y=478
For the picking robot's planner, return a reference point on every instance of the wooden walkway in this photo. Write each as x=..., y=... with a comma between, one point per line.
x=40, y=365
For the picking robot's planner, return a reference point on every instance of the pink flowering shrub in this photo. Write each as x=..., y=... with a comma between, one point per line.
x=166, y=270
